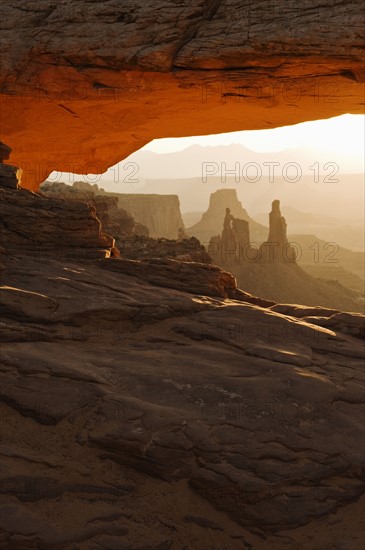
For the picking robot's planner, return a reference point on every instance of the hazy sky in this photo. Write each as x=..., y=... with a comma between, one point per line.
x=343, y=136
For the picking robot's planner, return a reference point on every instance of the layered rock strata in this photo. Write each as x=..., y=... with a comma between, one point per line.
x=132, y=237
x=154, y=215
x=160, y=213
x=34, y=224
x=84, y=84
x=138, y=247
x=115, y=221
x=135, y=390
x=149, y=404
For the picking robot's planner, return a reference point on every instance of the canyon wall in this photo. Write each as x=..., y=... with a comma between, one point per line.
x=84, y=84
x=159, y=213
x=36, y=225
x=125, y=214
x=114, y=220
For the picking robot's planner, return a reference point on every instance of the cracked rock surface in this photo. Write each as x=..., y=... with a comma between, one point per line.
x=105, y=78
x=135, y=410
x=35, y=224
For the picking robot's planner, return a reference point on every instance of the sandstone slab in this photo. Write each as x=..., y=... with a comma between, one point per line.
x=105, y=79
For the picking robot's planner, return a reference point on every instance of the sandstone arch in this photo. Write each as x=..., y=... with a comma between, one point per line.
x=85, y=84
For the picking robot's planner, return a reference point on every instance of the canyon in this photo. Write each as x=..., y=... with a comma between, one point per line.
x=321, y=259
x=270, y=269
x=151, y=403
x=98, y=415
x=160, y=213
x=250, y=259
x=153, y=215
x=153, y=400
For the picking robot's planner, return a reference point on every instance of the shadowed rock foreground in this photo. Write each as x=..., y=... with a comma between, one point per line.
x=153, y=405
x=127, y=405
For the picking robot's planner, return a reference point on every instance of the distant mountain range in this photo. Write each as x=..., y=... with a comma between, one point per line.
x=190, y=162
x=300, y=179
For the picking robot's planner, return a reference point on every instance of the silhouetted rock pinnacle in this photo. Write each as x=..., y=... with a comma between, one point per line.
x=277, y=247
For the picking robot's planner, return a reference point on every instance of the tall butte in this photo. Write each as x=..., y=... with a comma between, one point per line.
x=277, y=246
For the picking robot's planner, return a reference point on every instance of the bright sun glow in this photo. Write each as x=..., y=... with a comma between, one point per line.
x=343, y=135
x=340, y=139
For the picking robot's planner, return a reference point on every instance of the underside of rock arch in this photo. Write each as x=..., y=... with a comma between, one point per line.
x=84, y=84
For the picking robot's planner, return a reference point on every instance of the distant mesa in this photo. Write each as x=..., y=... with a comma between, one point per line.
x=160, y=213
x=154, y=215
x=85, y=221
x=133, y=239
x=212, y=220
x=115, y=220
